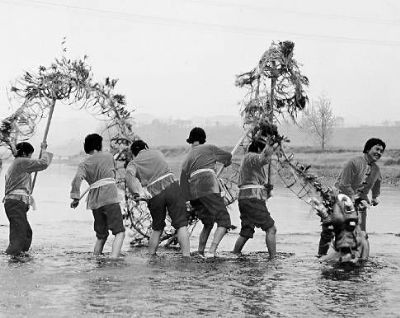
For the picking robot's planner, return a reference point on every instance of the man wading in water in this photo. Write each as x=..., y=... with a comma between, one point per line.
x=18, y=190
x=200, y=185
x=150, y=168
x=99, y=172
x=253, y=196
x=358, y=177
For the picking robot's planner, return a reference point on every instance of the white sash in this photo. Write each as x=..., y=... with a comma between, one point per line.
x=201, y=171
x=98, y=184
x=251, y=186
x=160, y=178
x=31, y=200
x=146, y=192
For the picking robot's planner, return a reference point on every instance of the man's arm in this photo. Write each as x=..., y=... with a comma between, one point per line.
x=346, y=178
x=132, y=182
x=76, y=186
x=33, y=165
x=223, y=156
x=266, y=154
x=184, y=182
x=376, y=191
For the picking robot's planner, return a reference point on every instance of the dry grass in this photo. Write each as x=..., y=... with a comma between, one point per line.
x=326, y=165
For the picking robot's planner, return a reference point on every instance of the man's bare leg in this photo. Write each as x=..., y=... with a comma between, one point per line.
x=98, y=246
x=270, y=240
x=363, y=221
x=240, y=242
x=218, y=235
x=205, y=233
x=117, y=244
x=154, y=240
x=183, y=239
x=365, y=246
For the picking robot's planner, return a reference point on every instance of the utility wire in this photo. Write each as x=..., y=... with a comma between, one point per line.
x=368, y=20
x=157, y=20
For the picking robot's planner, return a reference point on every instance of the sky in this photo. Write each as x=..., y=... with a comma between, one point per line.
x=179, y=58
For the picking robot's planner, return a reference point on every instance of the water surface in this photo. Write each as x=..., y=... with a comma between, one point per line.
x=61, y=278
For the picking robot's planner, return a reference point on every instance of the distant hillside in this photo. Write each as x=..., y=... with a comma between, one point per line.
x=347, y=138
x=169, y=134
x=163, y=134
x=172, y=133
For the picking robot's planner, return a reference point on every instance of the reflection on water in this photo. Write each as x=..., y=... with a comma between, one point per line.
x=70, y=284
x=356, y=291
x=61, y=278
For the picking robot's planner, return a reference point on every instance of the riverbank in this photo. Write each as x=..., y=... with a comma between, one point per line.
x=326, y=165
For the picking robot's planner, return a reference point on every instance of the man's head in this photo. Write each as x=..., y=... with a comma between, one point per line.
x=374, y=148
x=24, y=149
x=137, y=146
x=197, y=134
x=256, y=146
x=93, y=142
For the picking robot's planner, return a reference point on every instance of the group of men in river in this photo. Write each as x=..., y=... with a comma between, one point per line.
x=149, y=175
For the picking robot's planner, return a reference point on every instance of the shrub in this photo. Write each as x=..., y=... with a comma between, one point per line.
x=391, y=162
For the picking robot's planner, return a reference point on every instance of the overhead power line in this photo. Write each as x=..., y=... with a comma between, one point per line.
x=158, y=20
x=258, y=8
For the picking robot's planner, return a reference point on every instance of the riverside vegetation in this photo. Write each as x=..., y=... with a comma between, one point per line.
x=325, y=164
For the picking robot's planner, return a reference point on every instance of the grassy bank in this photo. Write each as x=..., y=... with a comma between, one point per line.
x=327, y=165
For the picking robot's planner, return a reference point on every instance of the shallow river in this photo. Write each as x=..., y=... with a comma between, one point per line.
x=61, y=278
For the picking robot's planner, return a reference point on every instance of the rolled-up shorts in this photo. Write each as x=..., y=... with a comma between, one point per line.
x=254, y=213
x=108, y=218
x=211, y=209
x=171, y=200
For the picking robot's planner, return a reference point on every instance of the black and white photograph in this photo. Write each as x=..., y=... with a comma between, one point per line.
x=199, y=158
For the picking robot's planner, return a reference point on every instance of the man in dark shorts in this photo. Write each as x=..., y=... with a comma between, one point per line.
x=253, y=196
x=201, y=187
x=99, y=171
x=149, y=169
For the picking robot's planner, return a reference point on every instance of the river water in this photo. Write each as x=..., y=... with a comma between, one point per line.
x=61, y=278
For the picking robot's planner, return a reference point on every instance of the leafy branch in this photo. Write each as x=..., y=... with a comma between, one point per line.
x=68, y=81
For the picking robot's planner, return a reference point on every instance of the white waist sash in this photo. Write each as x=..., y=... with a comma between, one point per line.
x=160, y=178
x=30, y=199
x=251, y=186
x=98, y=184
x=201, y=171
x=146, y=192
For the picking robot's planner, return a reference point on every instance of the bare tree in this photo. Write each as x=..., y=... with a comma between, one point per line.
x=318, y=120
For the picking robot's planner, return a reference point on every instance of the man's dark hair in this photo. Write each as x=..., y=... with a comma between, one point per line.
x=197, y=134
x=93, y=142
x=372, y=142
x=256, y=145
x=23, y=149
x=137, y=146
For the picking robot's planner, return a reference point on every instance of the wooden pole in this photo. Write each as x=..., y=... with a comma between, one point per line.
x=257, y=91
x=233, y=152
x=46, y=132
x=270, y=110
